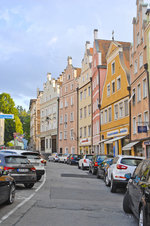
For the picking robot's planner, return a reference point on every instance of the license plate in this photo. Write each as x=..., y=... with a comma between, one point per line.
x=22, y=170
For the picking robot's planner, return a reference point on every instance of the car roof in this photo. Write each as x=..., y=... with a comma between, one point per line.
x=10, y=154
x=130, y=156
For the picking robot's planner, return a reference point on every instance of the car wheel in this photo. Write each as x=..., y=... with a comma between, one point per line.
x=70, y=163
x=11, y=197
x=93, y=171
x=126, y=203
x=142, y=220
x=29, y=185
x=78, y=166
x=107, y=182
x=82, y=167
x=113, y=186
x=39, y=177
x=98, y=176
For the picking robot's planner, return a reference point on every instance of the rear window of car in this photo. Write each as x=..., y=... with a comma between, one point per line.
x=101, y=157
x=16, y=160
x=131, y=161
x=31, y=155
x=89, y=157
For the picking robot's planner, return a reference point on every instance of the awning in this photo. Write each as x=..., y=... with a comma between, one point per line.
x=128, y=147
x=114, y=139
x=102, y=141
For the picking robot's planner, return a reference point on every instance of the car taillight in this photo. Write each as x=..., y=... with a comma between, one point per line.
x=43, y=161
x=8, y=168
x=33, y=169
x=85, y=160
x=72, y=158
x=96, y=164
x=121, y=167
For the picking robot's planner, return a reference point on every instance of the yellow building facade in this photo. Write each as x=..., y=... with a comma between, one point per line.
x=115, y=100
x=84, y=104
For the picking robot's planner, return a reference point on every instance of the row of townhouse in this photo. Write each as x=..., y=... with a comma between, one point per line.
x=102, y=107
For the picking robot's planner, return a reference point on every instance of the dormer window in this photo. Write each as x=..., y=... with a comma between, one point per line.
x=113, y=68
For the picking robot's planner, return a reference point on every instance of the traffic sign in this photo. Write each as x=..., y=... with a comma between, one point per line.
x=6, y=116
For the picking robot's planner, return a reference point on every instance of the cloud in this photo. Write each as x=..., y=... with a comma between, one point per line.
x=52, y=41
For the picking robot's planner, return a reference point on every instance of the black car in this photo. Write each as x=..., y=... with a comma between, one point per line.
x=7, y=188
x=96, y=161
x=19, y=168
x=137, y=196
x=74, y=159
x=102, y=168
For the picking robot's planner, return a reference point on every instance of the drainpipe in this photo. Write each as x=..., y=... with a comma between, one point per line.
x=57, y=124
x=99, y=105
x=129, y=89
x=91, y=116
x=77, y=120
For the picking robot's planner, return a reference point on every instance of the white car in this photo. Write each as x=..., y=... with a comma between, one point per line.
x=84, y=162
x=63, y=158
x=52, y=157
x=122, y=164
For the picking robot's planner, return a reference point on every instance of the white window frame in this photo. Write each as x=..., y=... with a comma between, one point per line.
x=113, y=82
x=106, y=115
x=134, y=125
x=108, y=89
x=113, y=68
x=109, y=114
x=139, y=92
x=121, y=116
x=146, y=122
x=119, y=78
x=116, y=118
x=144, y=88
x=60, y=136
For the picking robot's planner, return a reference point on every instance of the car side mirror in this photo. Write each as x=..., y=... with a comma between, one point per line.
x=128, y=176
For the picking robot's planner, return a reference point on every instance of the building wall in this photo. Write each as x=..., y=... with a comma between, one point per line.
x=2, y=123
x=67, y=141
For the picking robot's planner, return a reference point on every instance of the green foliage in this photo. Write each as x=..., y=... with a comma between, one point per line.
x=9, y=144
x=7, y=106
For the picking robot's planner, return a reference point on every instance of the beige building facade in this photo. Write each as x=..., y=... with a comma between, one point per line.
x=49, y=115
x=84, y=105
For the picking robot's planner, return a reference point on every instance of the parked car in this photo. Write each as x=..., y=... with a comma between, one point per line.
x=96, y=161
x=122, y=165
x=84, y=162
x=52, y=157
x=137, y=196
x=63, y=158
x=19, y=168
x=103, y=167
x=7, y=188
x=74, y=159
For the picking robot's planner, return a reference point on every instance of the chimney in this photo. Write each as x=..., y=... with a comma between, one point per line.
x=95, y=34
x=87, y=45
x=69, y=60
x=48, y=76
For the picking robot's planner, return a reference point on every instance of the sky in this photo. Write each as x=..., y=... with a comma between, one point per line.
x=37, y=36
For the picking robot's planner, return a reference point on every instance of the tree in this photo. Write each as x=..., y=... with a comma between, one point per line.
x=25, y=119
x=7, y=106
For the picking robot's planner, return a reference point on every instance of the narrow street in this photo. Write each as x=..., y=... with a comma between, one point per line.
x=71, y=197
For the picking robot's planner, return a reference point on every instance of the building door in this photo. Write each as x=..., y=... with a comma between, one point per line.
x=148, y=151
x=54, y=149
x=43, y=144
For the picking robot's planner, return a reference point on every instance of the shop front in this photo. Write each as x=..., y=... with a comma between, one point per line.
x=85, y=146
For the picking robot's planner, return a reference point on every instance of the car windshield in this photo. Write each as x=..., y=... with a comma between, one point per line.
x=31, y=155
x=16, y=160
x=89, y=157
x=101, y=157
x=131, y=161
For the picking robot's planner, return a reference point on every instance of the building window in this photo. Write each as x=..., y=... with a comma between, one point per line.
x=85, y=93
x=144, y=88
x=141, y=60
x=68, y=77
x=66, y=103
x=66, y=150
x=139, y=120
x=81, y=95
x=135, y=67
x=89, y=109
x=89, y=91
x=71, y=134
x=89, y=131
x=60, y=136
x=146, y=120
x=109, y=114
x=61, y=119
x=113, y=86
x=108, y=90
x=71, y=117
x=113, y=68
x=46, y=143
x=97, y=127
x=81, y=113
x=133, y=96
x=81, y=132
x=84, y=112
x=85, y=131
x=116, y=111
x=134, y=125
x=65, y=135
x=121, y=110
x=138, y=39
x=71, y=86
x=66, y=89
x=126, y=108
x=72, y=150
x=118, y=83
x=139, y=92
x=106, y=116
x=71, y=100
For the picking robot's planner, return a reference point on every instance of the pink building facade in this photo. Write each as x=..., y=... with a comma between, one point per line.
x=100, y=48
x=68, y=110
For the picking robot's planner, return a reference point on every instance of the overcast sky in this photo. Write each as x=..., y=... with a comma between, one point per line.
x=37, y=36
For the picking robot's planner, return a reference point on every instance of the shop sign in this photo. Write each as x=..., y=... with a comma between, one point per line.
x=116, y=132
x=147, y=142
x=142, y=129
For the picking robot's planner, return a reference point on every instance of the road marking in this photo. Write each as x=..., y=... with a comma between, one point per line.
x=22, y=203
